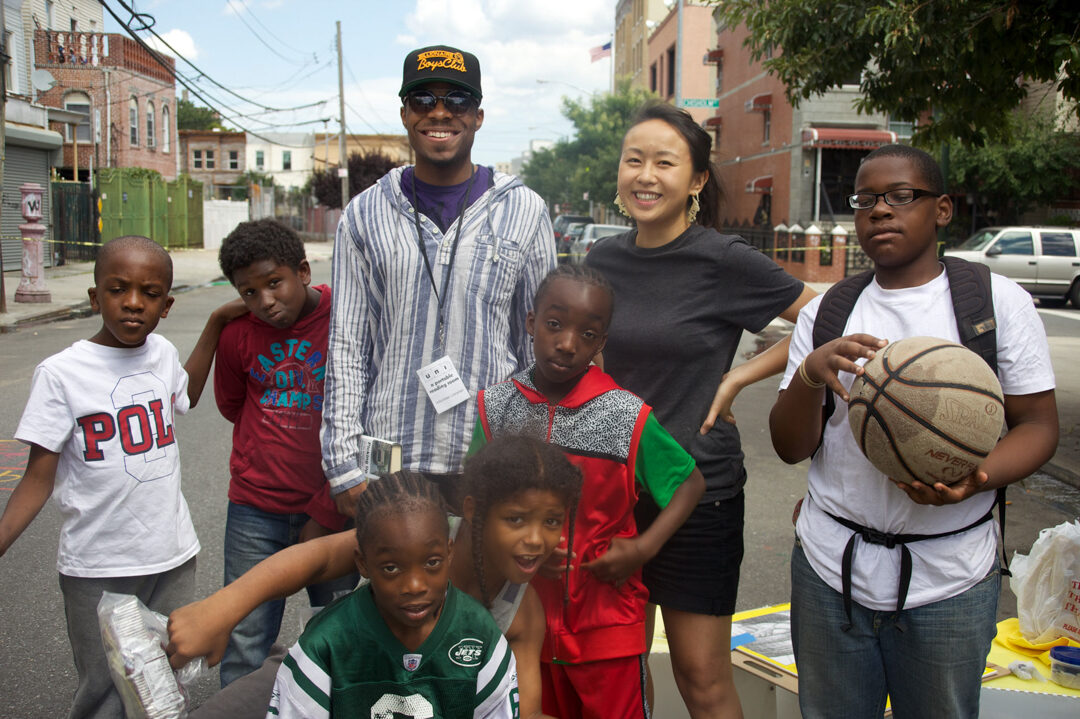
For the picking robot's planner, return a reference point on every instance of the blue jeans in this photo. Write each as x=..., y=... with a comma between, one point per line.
x=929, y=659
x=252, y=535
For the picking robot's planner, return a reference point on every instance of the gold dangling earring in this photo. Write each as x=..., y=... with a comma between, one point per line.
x=621, y=205
x=695, y=207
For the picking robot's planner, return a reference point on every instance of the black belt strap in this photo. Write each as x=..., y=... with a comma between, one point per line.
x=889, y=541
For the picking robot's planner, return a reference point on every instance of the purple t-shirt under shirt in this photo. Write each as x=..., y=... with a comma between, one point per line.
x=442, y=203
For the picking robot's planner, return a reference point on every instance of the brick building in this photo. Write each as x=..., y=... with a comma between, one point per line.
x=215, y=158
x=127, y=93
x=634, y=20
x=695, y=79
x=781, y=164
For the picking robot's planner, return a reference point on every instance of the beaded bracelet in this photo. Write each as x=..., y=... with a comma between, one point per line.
x=806, y=378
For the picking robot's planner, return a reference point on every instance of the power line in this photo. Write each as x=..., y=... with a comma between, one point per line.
x=255, y=17
x=149, y=28
x=258, y=37
x=179, y=78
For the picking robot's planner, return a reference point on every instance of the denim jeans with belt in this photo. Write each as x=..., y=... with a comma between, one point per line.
x=929, y=659
x=252, y=535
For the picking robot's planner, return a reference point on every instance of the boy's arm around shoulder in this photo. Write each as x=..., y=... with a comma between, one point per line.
x=202, y=356
x=31, y=494
x=202, y=628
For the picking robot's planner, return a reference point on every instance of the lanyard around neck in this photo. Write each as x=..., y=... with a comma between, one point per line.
x=440, y=297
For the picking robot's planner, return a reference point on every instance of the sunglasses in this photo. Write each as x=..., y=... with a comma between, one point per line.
x=456, y=102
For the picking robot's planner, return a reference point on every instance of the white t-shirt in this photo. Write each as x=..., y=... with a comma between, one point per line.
x=843, y=482
x=108, y=412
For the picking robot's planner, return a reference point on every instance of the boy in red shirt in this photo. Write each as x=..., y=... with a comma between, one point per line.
x=268, y=381
x=594, y=648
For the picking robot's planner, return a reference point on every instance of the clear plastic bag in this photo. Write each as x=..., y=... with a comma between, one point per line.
x=134, y=639
x=1046, y=583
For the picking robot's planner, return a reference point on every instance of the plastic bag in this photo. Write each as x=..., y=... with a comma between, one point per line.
x=1047, y=585
x=134, y=639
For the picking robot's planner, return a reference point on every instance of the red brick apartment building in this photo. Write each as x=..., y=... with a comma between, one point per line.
x=214, y=158
x=127, y=92
x=780, y=164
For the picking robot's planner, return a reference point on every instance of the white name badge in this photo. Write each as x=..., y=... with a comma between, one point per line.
x=443, y=384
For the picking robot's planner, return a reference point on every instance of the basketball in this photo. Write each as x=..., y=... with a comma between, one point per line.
x=926, y=409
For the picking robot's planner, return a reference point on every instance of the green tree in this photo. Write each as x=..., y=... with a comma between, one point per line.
x=190, y=116
x=1004, y=180
x=589, y=162
x=966, y=61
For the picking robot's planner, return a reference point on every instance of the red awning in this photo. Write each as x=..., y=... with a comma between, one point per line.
x=759, y=103
x=761, y=184
x=713, y=56
x=847, y=138
x=713, y=122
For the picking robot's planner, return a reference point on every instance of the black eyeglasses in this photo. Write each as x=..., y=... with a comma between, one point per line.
x=905, y=196
x=456, y=102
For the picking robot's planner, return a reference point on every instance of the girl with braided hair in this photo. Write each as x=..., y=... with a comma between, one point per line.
x=518, y=495
x=407, y=642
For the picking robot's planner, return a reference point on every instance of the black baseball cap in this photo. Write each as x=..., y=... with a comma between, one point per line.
x=441, y=63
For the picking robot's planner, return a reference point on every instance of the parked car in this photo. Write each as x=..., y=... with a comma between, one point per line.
x=590, y=235
x=560, y=225
x=573, y=232
x=1045, y=261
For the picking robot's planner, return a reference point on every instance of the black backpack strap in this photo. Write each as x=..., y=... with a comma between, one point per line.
x=829, y=324
x=973, y=305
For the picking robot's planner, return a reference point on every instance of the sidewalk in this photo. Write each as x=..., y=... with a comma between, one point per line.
x=67, y=285
x=195, y=268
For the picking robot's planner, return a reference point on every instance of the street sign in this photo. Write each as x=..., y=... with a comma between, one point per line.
x=699, y=102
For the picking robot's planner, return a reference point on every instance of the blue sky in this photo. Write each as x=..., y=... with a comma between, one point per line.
x=517, y=41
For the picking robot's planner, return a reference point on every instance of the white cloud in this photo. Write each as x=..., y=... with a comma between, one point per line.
x=179, y=39
x=517, y=44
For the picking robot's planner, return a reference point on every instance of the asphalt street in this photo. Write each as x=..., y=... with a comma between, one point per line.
x=39, y=675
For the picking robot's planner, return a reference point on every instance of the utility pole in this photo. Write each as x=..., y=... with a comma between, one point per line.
x=3, y=139
x=343, y=160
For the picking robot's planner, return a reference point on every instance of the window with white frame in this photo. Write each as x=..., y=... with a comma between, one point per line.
x=260, y=160
x=150, y=135
x=78, y=102
x=234, y=159
x=133, y=120
x=209, y=159
x=766, y=117
x=286, y=160
x=166, y=128
x=196, y=159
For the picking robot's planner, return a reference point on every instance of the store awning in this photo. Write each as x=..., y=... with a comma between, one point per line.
x=846, y=138
x=713, y=56
x=759, y=103
x=712, y=123
x=36, y=137
x=762, y=184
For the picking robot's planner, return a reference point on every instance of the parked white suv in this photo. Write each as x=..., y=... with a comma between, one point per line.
x=1045, y=261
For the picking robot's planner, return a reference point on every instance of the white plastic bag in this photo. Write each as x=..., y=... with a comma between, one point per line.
x=134, y=639
x=1047, y=585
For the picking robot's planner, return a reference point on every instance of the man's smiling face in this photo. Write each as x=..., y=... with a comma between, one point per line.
x=441, y=140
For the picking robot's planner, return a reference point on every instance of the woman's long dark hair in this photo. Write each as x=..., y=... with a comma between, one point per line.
x=711, y=196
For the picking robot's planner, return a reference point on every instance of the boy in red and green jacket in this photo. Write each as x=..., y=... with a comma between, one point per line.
x=594, y=648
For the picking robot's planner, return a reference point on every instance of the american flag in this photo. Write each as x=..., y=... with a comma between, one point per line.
x=601, y=51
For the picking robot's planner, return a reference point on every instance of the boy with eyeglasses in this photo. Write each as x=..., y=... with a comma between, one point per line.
x=924, y=647
x=435, y=268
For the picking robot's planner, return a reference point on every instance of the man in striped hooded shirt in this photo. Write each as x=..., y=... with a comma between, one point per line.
x=435, y=267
